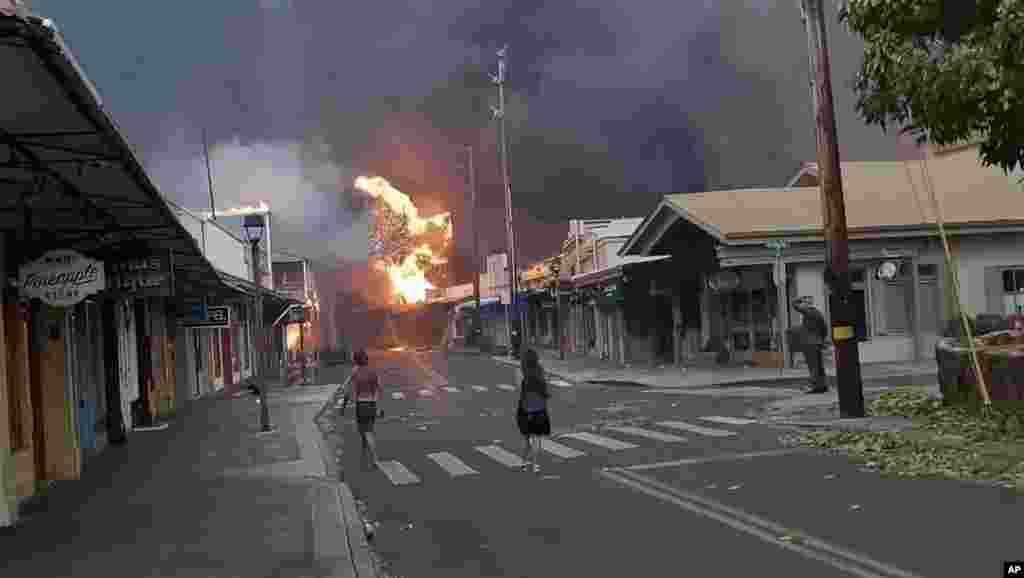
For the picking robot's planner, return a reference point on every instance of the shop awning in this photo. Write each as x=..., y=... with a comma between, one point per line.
x=69, y=178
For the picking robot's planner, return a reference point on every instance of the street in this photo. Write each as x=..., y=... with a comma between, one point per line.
x=632, y=482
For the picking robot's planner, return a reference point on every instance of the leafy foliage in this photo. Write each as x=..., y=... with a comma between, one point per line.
x=949, y=441
x=390, y=238
x=946, y=71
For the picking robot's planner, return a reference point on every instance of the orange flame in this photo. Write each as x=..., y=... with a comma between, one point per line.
x=407, y=279
x=380, y=188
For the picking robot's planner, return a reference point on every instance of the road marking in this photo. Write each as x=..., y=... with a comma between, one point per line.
x=507, y=387
x=602, y=441
x=811, y=547
x=560, y=383
x=397, y=395
x=704, y=431
x=646, y=433
x=451, y=389
x=451, y=464
x=501, y=455
x=398, y=474
x=725, y=458
x=479, y=388
x=427, y=393
x=728, y=420
x=559, y=450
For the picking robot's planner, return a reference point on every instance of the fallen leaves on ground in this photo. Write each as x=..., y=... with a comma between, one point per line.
x=947, y=441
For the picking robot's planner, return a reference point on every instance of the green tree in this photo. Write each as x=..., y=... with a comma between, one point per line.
x=946, y=71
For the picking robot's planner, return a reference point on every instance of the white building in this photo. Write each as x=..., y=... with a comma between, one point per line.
x=743, y=288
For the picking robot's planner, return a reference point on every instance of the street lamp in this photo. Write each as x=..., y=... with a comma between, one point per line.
x=556, y=271
x=253, y=227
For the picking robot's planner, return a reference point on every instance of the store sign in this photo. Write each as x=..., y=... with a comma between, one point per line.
x=148, y=277
x=298, y=315
x=61, y=278
x=212, y=316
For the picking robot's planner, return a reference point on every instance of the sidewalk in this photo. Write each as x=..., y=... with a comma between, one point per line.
x=209, y=496
x=581, y=368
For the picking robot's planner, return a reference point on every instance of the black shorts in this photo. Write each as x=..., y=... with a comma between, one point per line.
x=533, y=423
x=366, y=414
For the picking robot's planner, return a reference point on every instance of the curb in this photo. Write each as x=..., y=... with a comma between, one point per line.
x=351, y=522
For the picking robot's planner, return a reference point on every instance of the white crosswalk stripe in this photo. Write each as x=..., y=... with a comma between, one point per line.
x=479, y=388
x=501, y=455
x=397, y=395
x=398, y=474
x=649, y=434
x=557, y=449
x=427, y=393
x=451, y=464
x=728, y=420
x=704, y=431
x=602, y=441
x=507, y=387
x=451, y=389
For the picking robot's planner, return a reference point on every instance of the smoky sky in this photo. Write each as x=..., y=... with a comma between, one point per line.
x=609, y=106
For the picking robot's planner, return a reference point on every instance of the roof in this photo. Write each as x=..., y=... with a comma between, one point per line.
x=606, y=273
x=881, y=196
x=71, y=168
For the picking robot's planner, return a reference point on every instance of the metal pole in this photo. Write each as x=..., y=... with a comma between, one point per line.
x=476, y=247
x=264, y=406
x=209, y=178
x=499, y=112
x=842, y=311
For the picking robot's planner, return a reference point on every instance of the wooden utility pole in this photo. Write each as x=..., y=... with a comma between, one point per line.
x=837, y=251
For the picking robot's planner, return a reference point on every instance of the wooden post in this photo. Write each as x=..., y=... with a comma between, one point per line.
x=837, y=275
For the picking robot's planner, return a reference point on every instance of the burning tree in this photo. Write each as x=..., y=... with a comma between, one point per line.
x=391, y=238
x=409, y=248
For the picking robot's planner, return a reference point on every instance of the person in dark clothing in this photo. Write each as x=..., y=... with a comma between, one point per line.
x=815, y=335
x=517, y=343
x=532, y=408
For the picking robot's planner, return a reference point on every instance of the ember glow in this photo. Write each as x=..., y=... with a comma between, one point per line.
x=408, y=280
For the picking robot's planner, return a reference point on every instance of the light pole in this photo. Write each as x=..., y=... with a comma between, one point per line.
x=499, y=113
x=556, y=270
x=253, y=226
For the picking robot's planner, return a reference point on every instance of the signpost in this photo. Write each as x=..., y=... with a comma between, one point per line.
x=779, y=276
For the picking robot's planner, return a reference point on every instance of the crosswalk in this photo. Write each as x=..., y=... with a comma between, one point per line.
x=565, y=446
x=433, y=392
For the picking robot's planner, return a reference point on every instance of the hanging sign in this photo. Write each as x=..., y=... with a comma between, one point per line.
x=216, y=316
x=147, y=277
x=61, y=278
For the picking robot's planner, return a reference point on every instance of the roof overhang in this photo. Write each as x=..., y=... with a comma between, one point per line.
x=70, y=178
x=656, y=225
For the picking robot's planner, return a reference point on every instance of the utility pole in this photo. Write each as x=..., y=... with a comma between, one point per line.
x=837, y=250
x=499, y=113
x=476, y=247
x=209, y=179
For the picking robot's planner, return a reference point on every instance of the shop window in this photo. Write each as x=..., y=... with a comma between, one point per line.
x=1013, y=281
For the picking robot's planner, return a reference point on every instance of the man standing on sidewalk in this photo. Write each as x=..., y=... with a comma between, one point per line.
x=815, y=332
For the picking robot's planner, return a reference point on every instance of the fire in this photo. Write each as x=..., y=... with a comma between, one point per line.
x=380, y=188
x=260, y=209
x=407, y=279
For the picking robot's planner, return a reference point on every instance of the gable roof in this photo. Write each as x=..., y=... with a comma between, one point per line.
x=879, y=196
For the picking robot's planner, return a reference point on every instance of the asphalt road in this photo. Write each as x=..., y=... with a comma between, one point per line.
x=673, y=485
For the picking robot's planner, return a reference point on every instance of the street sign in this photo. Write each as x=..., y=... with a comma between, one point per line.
x=777, y=246
x=217, y=316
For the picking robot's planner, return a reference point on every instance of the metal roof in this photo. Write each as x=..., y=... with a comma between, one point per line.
x=69, y=178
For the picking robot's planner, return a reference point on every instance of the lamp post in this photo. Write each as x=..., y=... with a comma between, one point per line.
x=253, y=226
x=556, y=270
